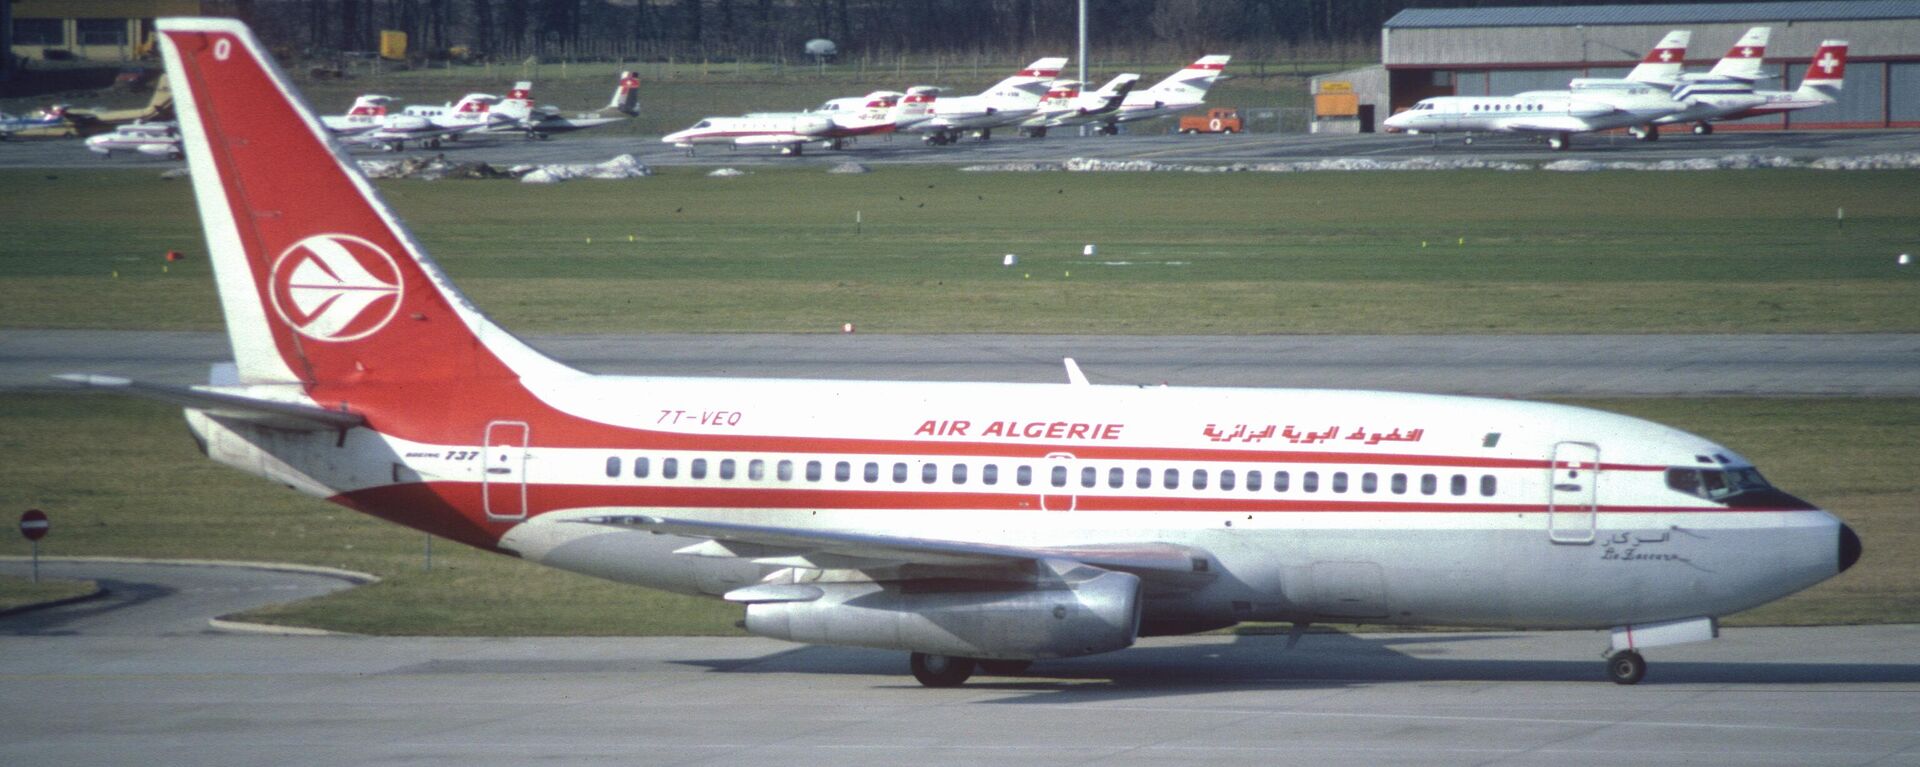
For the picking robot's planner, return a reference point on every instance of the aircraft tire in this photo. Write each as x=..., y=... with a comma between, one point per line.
x=1004, y=667
x=1468, y=141
x=940, y=670
x=1626, y=667
x=1559, y=142
x=1703, y=129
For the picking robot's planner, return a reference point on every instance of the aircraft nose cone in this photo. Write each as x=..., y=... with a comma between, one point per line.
x=1849, y=547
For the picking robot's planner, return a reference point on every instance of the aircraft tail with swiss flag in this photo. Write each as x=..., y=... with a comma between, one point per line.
x=1826, y=71
x=1663, y=64
x=319, y=282
x=1745, y=60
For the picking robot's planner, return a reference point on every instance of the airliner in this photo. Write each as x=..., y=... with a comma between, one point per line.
x=971, y=526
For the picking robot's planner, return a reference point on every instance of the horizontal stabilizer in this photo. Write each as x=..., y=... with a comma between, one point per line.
x=294, y=416
x=794, y=546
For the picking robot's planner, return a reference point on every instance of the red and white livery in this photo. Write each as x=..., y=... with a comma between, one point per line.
x=970, y=525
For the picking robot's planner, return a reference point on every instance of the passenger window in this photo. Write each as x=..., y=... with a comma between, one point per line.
x=1253, y=481
x=1226, y=479
x=1369, y=482
x=959, y=473
x=1339, y=481
x=669, y=468
x=1116, y=477
x=697, y=468
x=990, y=474
x=726, y=468
x=1171, y=479
x=1199, y=479
x=1429, y=484
x=1280, y=481
x=1486, y=485
x=1143, y=478
x=929, y=473
x=756, y=470
x=1310, y=482
x=1059, y=476
x=1459, y=484
x=1023, y=476
x=613, y=466
x=1399, y=484
x=899, y=473
x=640, y=467
x=784, y=471
x=1089, y=476
x=843, y=471
x=813, y=471
x=870, y=472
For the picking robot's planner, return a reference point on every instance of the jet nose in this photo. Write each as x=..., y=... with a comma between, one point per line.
x=1849, y=547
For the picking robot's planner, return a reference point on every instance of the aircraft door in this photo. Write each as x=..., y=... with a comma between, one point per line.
x=504, y=477
x=1572, y=492
x=1058, y=495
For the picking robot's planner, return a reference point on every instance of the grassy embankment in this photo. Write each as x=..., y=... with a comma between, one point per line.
x=1428, y=252
x=121, y=477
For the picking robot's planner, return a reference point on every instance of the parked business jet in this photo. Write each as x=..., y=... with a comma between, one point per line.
x=542, y=122
x=150, y=139
x=1008, y=102
x=1181, y=91
x=474, y=110
x=970, y=525
x=1735, y=100
x=1735, y=73
x=789, y=133
x=366, y=113
x=1600, y=105
x=1065, y=105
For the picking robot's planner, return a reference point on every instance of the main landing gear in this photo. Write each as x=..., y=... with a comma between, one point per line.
x=1626, y=667
x=1703, y=129
x=1559, y=141
x=952, y=670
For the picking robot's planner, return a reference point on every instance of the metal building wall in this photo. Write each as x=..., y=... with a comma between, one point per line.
x=1624, y=44
x=1903, y=91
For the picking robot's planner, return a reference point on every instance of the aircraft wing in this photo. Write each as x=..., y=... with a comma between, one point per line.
x=1164, y=563
x=293, y=416
x=1562, y=124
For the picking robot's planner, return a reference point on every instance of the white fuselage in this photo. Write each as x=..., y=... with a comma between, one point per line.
x=1386, y=507
x=751, y=130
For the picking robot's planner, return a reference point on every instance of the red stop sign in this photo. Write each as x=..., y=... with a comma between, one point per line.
x=34, y=524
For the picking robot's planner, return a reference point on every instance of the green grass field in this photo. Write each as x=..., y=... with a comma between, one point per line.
x=1250, y=253
x=121, y=477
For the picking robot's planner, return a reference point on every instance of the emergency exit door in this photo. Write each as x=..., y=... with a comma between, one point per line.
x=503, y=479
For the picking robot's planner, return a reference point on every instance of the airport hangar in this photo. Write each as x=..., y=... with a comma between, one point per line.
x=1428, y=52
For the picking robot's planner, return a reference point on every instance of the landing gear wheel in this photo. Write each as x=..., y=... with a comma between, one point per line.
x=1005, y=667
x=1703, y=129
x=1468, y=141
x=940, y=670
x=1559, y=142
x=1626, y=667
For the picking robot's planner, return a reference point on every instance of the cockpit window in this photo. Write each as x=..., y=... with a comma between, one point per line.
x=704, y=124
x=1716, y=484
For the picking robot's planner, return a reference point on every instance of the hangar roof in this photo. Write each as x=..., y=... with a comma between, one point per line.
x=1687, y=13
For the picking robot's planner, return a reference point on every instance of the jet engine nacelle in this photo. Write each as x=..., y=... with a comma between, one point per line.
x=967, y=619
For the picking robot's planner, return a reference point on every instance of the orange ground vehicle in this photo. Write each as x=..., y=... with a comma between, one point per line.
x=1220, y=120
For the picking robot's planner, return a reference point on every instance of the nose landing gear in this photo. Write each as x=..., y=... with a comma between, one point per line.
x=1626, y=667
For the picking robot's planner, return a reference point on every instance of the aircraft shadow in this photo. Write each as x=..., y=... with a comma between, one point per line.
x=1320, y=661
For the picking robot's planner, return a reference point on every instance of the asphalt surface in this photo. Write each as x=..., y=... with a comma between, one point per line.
x=139, y=680
x=1524, y=366
x=1161, y=147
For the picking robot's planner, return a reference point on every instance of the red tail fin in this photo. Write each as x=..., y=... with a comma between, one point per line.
x=319, y=281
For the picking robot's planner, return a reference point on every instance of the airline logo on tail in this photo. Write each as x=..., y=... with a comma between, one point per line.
x=1829, y=65
x=336, y=287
